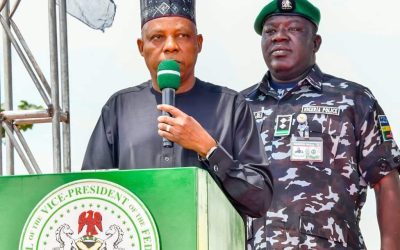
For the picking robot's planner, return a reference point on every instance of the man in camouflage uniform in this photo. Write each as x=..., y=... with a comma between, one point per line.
x=327, y=139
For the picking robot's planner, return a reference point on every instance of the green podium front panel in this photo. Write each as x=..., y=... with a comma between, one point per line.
x=168, y=209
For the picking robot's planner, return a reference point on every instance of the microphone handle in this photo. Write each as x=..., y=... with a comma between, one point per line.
x=168, y=97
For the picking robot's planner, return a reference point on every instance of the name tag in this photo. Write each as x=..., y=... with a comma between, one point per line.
x=320, y=110
x=306, y=149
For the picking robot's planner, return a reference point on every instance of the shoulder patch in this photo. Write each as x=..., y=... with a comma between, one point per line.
x=384, y=126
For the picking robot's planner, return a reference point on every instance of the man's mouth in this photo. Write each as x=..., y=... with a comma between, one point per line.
x=280, y=52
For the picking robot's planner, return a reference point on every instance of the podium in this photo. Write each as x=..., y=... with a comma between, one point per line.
x=168, y=209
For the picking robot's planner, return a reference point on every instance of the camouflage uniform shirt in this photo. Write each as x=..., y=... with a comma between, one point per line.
x=317, y=205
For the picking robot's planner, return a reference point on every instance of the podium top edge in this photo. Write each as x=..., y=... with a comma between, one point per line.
x=111, y=170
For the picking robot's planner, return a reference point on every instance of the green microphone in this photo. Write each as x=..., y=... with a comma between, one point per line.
x=169, y=80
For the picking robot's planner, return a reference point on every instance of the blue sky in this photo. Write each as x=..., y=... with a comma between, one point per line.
x=360, y=42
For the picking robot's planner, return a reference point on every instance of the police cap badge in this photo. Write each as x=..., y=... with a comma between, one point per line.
x=286, y=5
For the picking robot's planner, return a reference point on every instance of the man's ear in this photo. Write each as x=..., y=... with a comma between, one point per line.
x=199, y=42
x=140, y=44
x=317, y=43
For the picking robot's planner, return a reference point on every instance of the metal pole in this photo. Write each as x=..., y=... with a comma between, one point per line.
x=8, y=93
x=1, y=128
x=27, y=150
x=24, y=60
x=24, y=160
x=32, y=59
x=66, y=136
x=54, y=86
x=23, y=114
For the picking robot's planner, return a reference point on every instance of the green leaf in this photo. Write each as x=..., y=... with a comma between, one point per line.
x=23, y=105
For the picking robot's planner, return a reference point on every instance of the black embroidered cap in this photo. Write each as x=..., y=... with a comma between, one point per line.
x=152, y=9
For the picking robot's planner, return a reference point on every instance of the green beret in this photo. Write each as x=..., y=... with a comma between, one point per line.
x=301, y=8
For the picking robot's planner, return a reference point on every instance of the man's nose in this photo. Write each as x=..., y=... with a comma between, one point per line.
x=171, y=45
x=280, y=35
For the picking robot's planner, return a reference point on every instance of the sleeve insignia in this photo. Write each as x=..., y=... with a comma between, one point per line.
x=386, y=130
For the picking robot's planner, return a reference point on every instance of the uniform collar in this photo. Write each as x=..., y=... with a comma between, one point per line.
x=265, y=86
x=314, y=78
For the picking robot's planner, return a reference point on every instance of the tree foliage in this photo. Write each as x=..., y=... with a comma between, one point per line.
x=23, y=105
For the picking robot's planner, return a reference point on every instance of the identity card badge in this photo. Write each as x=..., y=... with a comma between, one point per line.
x=283, y=125
x=306, y=149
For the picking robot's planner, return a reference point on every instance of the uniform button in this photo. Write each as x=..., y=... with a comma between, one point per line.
x=383, y=163
x=215, y=168
x=166, y=158
x=396, y=159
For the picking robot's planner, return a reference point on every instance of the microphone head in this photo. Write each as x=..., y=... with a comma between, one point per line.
x=168, y=75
